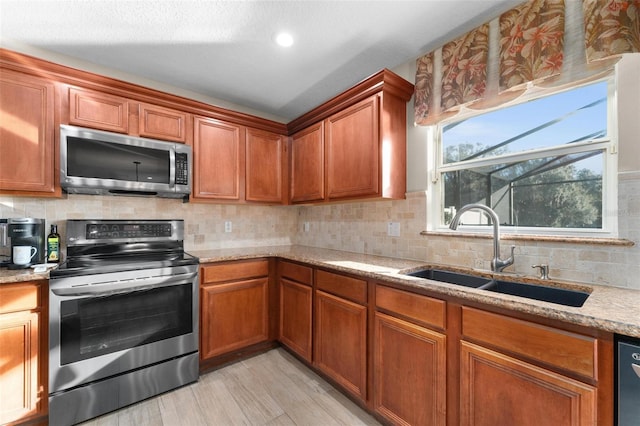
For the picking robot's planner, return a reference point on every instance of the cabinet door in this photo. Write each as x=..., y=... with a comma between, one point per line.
x=341, y=342
x=98, y=110
x=265, y=167
x=500, y=390
x=307, y=164
x=218, y=166
x=295, y=317
x=27, y=159
x=233, y=315
x=409, y=373
x=162, y=123
x=19, y=387
x=353, y=154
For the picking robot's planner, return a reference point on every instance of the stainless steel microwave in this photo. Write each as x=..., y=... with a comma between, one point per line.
x=105, y=163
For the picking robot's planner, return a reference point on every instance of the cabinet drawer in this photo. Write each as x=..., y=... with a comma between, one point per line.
x=19, y=297
x=550, y=346
x=421, y=309
x=347, y=287
x=299, y=273
x=234, y=271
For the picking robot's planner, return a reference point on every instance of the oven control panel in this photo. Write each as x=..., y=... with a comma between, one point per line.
x=127, y=230
x=83, y=232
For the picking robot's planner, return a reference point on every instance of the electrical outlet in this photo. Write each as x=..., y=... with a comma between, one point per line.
x=305, y=227
x=393, y=229
x=228, y=227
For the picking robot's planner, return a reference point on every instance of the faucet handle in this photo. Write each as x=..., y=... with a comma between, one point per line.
x=544, y=270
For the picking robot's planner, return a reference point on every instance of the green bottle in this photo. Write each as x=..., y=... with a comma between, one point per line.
x=53, y=245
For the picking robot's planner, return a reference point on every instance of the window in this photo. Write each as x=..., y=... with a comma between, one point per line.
x=544, y=166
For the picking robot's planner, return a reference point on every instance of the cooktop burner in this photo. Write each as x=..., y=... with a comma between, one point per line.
x=120, y=263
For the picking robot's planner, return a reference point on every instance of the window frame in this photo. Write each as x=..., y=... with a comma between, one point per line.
x=608, y=144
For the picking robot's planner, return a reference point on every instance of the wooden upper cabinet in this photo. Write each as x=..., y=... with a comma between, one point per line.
x=162, y=123
x=27, y=141
x=104, y=111
x=363, y=146
x=307, y=164
x=265, y=166
x=88, y=108
x=235, y=163
x=353, y=151
x=218, y=166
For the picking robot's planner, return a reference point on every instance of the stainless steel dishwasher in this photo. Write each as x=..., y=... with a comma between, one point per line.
x=628, y=381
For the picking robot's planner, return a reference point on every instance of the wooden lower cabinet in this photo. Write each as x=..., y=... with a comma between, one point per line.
x=518, y=372
x=409, y=372
x=296, y=303
x=234, y=307
x=340, y=349
x=499, y=390
x=23, y=353
x=295, y=317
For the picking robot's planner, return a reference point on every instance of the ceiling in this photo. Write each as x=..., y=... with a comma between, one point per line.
x=225, y=49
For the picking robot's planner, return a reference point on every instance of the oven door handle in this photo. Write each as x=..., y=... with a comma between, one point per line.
x=125, y=286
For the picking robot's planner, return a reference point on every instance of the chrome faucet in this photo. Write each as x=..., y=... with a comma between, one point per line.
x=497, y=264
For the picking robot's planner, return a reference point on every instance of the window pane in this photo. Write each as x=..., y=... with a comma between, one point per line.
x=568, y=117
x=563, y=191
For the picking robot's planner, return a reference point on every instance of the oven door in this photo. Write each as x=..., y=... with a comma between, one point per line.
x=107, y=324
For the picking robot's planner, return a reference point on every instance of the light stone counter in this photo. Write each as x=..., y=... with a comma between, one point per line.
x=8, y=276
x=610, y=309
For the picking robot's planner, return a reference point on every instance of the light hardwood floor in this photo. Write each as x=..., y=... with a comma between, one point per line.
x=272, y=389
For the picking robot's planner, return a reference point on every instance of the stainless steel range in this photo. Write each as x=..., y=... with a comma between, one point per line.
x=123, y=317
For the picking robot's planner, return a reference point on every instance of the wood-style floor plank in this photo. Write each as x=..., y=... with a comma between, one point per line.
x=271, y=389
x=252, y=395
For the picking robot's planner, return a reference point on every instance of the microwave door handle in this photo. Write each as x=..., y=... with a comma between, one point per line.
x=125, y=286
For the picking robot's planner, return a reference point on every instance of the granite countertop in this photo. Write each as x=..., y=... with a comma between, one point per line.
x=10, y=276
x=610, y=309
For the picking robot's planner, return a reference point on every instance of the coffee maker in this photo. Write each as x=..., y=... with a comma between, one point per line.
x=22, y=241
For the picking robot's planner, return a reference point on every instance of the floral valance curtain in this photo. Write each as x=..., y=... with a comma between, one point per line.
x=546, y=43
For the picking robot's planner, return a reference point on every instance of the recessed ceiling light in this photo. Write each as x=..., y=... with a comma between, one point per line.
x=284, y=39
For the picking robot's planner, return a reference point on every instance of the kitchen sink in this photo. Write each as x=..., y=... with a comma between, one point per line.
x=561, y=296
x=451, y=277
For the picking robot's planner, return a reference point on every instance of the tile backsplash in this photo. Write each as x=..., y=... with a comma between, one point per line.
x=362, y=228
x=252, y=225
x=359, y=227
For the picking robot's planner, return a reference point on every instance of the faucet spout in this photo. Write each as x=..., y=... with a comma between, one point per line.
x=497, y=264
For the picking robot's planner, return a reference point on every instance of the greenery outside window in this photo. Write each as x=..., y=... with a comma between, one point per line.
x=546, y=166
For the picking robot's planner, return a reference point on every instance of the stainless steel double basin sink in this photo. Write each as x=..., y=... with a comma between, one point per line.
x=561, y=296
